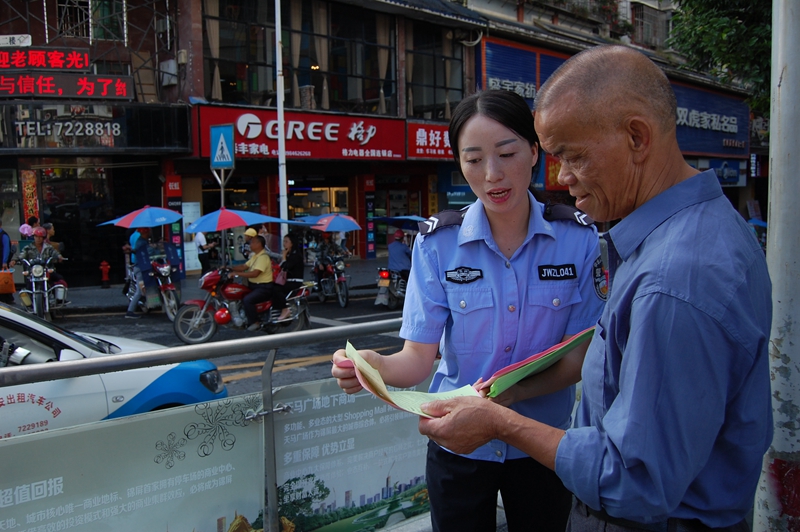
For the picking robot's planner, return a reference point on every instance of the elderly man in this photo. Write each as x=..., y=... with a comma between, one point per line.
x=675, y=414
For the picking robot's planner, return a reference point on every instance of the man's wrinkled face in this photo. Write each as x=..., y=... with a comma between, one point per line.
x=596, y=161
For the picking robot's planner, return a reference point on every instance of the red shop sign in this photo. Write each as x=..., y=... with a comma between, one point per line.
x=58, y=59
x=552, y=166
x=429, y=141
x=58, y=85
x=308, y=135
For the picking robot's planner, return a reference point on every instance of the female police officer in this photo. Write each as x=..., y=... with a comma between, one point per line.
x=495, y=282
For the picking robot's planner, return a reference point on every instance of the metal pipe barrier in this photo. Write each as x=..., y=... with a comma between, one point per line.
x=11, y=376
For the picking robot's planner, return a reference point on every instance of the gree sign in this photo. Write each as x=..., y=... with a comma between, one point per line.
x=307, y=135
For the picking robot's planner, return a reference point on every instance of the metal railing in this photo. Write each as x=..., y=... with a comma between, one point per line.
x=11, y=376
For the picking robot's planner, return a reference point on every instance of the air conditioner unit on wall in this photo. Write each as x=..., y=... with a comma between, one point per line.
x=169, y=72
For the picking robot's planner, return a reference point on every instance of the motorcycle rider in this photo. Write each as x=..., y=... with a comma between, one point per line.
x=400, y=255
x=137, y=239
x=325, y=252
x=292, y=263
x=44, y=251
x=258, y=270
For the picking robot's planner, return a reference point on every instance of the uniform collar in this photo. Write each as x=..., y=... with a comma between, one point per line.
x=631, y=231
x=475, y=225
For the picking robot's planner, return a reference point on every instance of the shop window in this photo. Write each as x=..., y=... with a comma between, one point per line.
x=9, y=198
x=433, y=71
x=108, y=20
x=73, y=18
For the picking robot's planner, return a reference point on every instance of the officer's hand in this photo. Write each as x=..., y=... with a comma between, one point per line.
x=345, y=373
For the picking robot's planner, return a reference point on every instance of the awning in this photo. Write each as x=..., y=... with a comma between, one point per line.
x=437, y=11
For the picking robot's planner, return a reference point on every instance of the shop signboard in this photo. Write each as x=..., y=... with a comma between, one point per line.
x=711, y=123
x=308, y=135
x=50, y=59
x=60, y=85
x=428, y=141
x=516, y=67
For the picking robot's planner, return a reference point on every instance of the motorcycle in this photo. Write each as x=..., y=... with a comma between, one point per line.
x=391, y=289
x=332, y=281
x=40, y=297
x=158, y=275
x=197, y=320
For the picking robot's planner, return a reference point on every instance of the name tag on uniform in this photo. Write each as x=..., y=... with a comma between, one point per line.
x=560, y=272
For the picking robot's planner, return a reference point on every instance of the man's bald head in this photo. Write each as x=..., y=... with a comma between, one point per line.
x=609, y=83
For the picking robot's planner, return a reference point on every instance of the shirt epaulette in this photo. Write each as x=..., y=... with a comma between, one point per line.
x=560, y=211
x=442, y=219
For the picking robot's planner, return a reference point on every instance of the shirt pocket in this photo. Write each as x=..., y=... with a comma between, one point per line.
x=472, y=311
x=552, y=305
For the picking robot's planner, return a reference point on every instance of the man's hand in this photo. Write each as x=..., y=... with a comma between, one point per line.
x=462, y=425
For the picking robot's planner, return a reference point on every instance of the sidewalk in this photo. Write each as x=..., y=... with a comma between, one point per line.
x=86, y=299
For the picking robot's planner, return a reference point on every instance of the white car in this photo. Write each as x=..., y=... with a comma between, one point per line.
x=27, y=408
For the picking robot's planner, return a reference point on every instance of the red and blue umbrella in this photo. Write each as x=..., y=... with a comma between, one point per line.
x=147, y=216
x=336, y=222
x=229, y=218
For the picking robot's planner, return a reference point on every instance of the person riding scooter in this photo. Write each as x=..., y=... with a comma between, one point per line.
x=44, y=251
x=292, y=264
x=400, y=255
x=258, y=270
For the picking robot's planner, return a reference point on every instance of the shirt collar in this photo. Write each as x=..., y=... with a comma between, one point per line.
x=631, y=231
x=475, y=225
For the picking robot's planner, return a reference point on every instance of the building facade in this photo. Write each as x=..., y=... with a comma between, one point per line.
x=369, y=88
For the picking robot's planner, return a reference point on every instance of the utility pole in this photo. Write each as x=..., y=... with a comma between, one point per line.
x=282, y=188
x=777, y=505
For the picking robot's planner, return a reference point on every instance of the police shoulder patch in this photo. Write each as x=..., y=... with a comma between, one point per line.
x=599, y=278
x=442, y=219
x=560, y=211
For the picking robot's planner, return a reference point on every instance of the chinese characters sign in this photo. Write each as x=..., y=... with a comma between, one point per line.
x=57, y=59
x=308, y=135
x=711, y=123
x=429, y=141
x=58, y=85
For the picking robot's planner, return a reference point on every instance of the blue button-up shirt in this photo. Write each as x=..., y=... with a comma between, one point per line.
x=490, y=311
x=675, y=413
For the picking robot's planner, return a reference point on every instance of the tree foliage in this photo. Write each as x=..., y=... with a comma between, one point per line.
x=729, y=39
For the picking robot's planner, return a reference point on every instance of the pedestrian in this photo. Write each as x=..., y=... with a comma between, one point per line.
x=675, y=413
x=7, y=255
x=342, y=235
x=244, y=248
x=481, y=294
x=292, y=263
x=137, y=240
x=203, y=248
x=27, y=228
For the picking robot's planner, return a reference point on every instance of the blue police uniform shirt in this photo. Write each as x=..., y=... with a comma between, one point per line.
x=399, y=257
x=676, y=414
x=490, y=311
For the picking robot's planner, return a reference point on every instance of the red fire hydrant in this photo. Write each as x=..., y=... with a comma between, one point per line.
x=105, y=267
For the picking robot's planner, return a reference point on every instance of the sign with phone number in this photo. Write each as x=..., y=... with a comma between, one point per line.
x=68, y=128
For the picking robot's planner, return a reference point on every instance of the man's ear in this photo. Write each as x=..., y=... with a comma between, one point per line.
x=640, y=137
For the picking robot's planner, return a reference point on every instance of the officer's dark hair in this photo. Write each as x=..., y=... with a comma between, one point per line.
x=505, y=107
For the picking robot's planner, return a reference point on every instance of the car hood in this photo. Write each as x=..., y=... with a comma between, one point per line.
x=126, y=345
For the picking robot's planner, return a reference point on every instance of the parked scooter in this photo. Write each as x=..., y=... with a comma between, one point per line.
x=391, y=289
x=197, y=320
x=332, y=281
x=157, y=278
x=40, y=297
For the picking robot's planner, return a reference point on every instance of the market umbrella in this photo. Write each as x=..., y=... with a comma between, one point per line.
x=336, y=222
x=229, y=218
x=147, y=216
x=407, y=223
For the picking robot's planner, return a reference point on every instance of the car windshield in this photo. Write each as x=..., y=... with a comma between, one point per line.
x=43, y=326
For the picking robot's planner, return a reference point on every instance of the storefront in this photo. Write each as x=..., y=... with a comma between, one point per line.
x=355, y=165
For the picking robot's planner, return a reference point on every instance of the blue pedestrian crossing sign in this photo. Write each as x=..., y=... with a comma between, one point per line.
x=222, y=148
